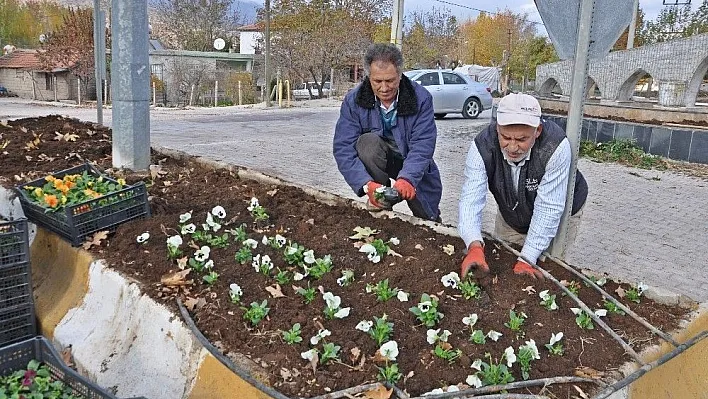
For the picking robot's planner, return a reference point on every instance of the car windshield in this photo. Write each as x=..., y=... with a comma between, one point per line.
x=410, y=74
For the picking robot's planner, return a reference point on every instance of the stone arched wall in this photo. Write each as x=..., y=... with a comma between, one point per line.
x=627, y=89
x=547, y=86
x=694, y=84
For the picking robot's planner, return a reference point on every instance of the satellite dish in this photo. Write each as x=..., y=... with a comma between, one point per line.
x=42, y=38
x=219, y=44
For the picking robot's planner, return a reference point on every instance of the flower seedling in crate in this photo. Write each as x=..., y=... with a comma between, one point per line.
x=547, y=300
x=554, y=346
x=527, y=353
x=34, y=382
x=308, y=294
x=235, y=293
x=71, y=190
x=390, y=373
x=443, y=349
x=332, y=306
x=382, y=290
x=380, y=329
x=612, y=307
x=516, y=320
x=427, y=311
x=257, y=312
x=292, y=336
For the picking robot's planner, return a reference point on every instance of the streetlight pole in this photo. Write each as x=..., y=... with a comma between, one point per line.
x=397, y=24
x=267, y=53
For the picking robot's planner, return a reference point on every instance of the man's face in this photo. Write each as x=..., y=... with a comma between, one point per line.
x=384, y=80
x=516, y=140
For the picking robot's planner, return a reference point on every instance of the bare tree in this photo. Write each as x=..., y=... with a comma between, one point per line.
x=193, y=24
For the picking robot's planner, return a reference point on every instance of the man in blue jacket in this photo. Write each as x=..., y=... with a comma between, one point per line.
x=385, y=131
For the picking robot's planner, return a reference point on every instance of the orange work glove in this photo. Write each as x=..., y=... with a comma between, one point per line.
x=474, y=257
x=371, y=191
x=405, y=188
x=522, y=267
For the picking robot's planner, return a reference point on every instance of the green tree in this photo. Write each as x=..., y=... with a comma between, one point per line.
x=621, y=43
x=431, y=38
x=671, y=23
x=193, y=24
x=699, y=20
x=21, y=22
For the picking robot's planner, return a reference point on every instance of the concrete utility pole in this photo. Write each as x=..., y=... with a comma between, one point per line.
x=397, y=24
x=633, y=25
x=575, y=116
x=267, y=53
x=130, y=84
x=99, y=56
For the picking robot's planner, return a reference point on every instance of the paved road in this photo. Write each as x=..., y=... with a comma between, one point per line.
x=638, y=225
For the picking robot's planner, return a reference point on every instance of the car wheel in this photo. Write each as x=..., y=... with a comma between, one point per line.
x=439, y=116
x=472, y=108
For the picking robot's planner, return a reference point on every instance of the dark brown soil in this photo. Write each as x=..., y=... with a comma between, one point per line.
x=325, y=229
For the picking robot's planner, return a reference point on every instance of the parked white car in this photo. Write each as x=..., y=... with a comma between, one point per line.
x=300, y=92
x=453, y=92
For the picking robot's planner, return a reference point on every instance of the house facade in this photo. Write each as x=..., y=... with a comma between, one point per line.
x=22, y=74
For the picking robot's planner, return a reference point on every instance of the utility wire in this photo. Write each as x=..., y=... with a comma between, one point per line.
x=480, y=10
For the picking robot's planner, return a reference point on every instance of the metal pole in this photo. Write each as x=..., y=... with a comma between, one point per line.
x=130, y=84
x=216, y=93
x=575, y=118
x=97, y=60
x=397, y=24
x=633, y=25
x=267, y=52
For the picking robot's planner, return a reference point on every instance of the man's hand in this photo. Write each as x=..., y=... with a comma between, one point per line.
x=522, y=267
x=475, y=257
x=371, y=193
x=405, y=188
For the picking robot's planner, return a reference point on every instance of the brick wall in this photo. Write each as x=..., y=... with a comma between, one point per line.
x=33, y=85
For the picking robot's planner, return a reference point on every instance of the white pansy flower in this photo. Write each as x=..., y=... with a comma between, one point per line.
x=451, y=279
x=342, y=313
x=341, y=281
x=473, y=381
x=254, y=203
x=202, y=254
x=297, y=276
x=332, y=301
x=576, y=311
x=174, y=241
x=142, y=238
x=494, y=335
x=544, y=295
x=424, y=306
x=394, y=241
x=389, y=350
x=280, y=240
x=256, y=262
x=368, y=248
x=189, y=228
x=209, y=264
x=509, y=356
x=445, y=335
x=373, y=257
x=309, y=257
x=265, y=240
x=402, y=296
x=235, y=289
x=432, y=336
x=531, y=345
x=184, y=217
x=309, y=355
x=291, y=250
x=453, y=388
x=556, y=338
x=601, y=312
x=251, y=243
x=219, y=212
x=477, y=365
x=470, y=320
x=641, y=287
x=321, y=334
x=601, y=281
x=364, y=325
x=435, y=391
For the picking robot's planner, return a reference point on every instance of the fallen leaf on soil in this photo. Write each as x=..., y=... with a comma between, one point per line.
x=95, y=239
x=176, y=279
x=449, y=249
x=314, y=361
x=167, y=183
x=296, y=288
x=156, y=171
x=65, y=137
x=182, y=262
x=564, y=283
x=394, y=253
x=529, y=290
x=418, y=247
x=359, y=244
x=272, y=192
x=363, y=232
x=194, y=303
x=379, y=358
x=409, y=375
x=495, y=279
x=355, y=352
x=445, y=345
x=580, y=392
x=275, y=291
x=285, y=374
x=620, y=292
x=379, y=393
x=220, y=346
x=67, y=357
x=310, y=221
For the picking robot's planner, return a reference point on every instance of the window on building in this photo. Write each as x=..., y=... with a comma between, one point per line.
x=48, y=81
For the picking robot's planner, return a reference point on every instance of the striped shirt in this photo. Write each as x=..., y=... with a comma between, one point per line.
x=547, y=208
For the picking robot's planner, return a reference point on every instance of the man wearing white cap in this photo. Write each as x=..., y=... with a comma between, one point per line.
x=525, y=161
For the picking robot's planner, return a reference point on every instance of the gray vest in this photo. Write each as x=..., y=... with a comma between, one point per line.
x=516, y=206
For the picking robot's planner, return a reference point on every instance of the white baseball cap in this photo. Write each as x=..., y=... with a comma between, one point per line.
x=519, y=109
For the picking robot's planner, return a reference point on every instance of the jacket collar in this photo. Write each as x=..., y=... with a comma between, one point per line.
x=407, y=100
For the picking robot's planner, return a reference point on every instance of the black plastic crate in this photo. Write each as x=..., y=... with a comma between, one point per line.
x=76, y=222
x=17, y=324
x=14, y=244
x=16, y=357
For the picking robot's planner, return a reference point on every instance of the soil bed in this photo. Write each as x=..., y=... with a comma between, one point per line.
x=326, y=229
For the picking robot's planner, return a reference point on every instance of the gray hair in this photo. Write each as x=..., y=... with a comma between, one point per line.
x=384, y=52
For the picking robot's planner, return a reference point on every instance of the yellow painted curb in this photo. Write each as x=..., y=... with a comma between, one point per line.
x=214, y=380
x=685, y=376
x=60, y=279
